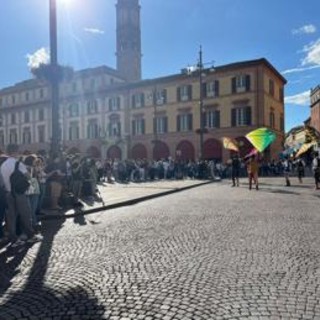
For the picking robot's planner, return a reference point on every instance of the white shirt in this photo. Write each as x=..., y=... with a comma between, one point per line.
x=7, y=169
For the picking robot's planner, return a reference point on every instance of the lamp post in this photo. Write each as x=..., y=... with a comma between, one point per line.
x=54, y=80
x=201, y=115
x=199, y=67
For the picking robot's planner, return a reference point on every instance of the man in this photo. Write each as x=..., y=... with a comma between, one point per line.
x=235, y=170
x=18, y=204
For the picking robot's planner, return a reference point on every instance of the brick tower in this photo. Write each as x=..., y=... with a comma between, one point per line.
x=129, y=39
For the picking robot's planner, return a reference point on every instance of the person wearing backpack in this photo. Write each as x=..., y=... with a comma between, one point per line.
x=15, y=179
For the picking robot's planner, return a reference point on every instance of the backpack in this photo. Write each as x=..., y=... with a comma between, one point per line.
x=19, y=182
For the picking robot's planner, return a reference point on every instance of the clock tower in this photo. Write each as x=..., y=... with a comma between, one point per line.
x=129, y=39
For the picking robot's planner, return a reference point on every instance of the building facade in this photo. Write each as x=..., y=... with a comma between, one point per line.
x=110, y=113
x=315, y=108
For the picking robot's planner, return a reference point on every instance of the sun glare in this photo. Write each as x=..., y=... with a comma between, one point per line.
x=66, y=2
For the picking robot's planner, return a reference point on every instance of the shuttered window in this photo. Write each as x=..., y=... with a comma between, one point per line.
x=241, y=117
x=184, y=122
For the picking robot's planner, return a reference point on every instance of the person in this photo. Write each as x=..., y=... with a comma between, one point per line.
x=33, y=192
x=300, y=169
x=55, y=175
x=287, y=167
x=235, y=170
x=252, y=169
x=18, y=203
x=316, y=169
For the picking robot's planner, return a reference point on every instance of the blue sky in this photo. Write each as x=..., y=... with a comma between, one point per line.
x=286, y=33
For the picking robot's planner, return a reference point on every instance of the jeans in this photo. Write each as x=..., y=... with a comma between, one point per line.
x=19, y=206
x=34, y=200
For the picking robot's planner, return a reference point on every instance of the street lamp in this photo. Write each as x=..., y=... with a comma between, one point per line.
x=199, y=67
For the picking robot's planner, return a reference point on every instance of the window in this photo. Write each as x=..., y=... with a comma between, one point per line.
x=26, y=117
x=160, y=124
x=271, y=87
x=41, y=134
x=41, y=93
x=281, y=122
x=92, y=107
x=2, y=138
x=241, y=116
x=74, y=131
x=26, y=136
x=114, y=104
x=212, y=119
x=13, y=118
x=1, y=121
x=211, y=89
x=13, y=136
x=27, y=96
x=281, y=95
x=13, y=99
x=92, y=84
x=184, y=93
x=138, y=126
x=73, y=110
x=160, y=97
x=138, y=100
x=92, y=129
x=41, y=114
x=74, y=87
x=0, y=102
x=114, y=128
x=271, y=118
x=240, y=83
x=184, y=122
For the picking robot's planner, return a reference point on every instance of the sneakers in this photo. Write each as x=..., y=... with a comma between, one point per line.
x=35, y=238
x=18, y=243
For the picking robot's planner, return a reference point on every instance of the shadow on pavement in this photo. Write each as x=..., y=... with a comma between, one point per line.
x=32, y=298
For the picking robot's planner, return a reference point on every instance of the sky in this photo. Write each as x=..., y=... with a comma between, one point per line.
x=287, y=33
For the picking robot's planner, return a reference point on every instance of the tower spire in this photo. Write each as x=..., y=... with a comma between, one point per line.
x=129, y=39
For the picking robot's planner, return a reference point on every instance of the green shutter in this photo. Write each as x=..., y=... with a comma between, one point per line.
x=216, y=88
x=190, y=92
x=204, y=90
x=248, y=116
x=217, y=119
x=133, y=102
x=233, y=85
x=143, y=126
x=190, y=121
x=233, y=117
x=133, y=123
x=154, y=125
x=248, y=84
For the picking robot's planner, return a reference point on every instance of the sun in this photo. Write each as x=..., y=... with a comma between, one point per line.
x=66, y=2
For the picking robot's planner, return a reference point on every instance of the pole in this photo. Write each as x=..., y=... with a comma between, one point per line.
x=55, y=130
x=200, y=67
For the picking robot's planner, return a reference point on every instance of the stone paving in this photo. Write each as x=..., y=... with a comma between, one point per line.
x=212, y=252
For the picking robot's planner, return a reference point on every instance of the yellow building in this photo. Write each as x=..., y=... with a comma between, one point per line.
x=112, y=113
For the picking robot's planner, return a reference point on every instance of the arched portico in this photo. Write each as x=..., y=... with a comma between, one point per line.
x=185, y=150
x=114, y=152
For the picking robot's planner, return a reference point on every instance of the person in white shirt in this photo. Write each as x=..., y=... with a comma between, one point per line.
x=18, y=204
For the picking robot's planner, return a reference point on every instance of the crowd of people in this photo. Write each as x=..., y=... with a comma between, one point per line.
x=30, y=183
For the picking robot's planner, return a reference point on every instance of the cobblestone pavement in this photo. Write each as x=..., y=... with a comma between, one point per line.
x=213, y=252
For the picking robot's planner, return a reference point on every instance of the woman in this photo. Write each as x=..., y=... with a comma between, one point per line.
x=252, y=169
x=33, y=192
